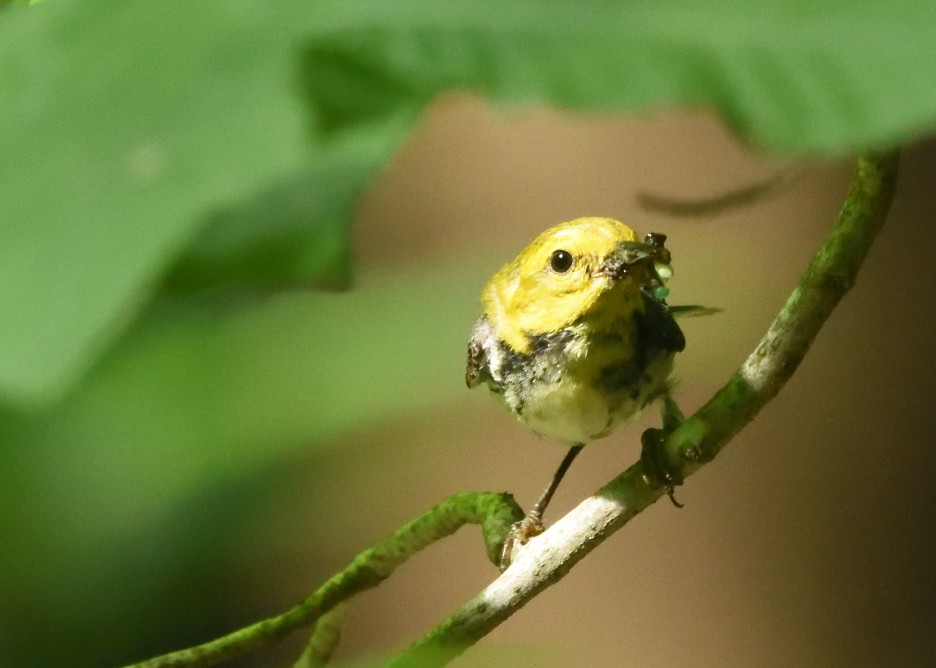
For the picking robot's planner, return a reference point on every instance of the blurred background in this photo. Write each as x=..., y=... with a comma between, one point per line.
x=216, y=468
x=809, y=541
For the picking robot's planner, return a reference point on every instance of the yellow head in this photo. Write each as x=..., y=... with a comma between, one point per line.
x=566, y=272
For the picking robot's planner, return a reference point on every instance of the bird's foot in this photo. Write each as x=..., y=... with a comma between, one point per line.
x=520, y=533
x=656, y=465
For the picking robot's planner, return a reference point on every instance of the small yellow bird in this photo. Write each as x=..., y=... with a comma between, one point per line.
x=576, y=338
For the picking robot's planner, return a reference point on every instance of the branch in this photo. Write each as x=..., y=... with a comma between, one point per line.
x=325, y=638
x=699, y=438
x=494, y=512
x=719, y=204
x=550, y=556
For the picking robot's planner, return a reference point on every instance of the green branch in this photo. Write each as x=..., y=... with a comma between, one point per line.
x=325, y=638
x=546, y=559
x=697, y=439
x=494, y=512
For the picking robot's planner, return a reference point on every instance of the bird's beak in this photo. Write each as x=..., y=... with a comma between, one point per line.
x=625, y=257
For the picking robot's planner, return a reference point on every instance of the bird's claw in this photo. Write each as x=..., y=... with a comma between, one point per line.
x=520, y=533
x=656, y=466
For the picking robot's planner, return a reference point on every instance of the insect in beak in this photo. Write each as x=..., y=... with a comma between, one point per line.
x=647, y=263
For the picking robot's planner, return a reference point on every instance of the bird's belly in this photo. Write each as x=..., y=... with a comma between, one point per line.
x=572, y=410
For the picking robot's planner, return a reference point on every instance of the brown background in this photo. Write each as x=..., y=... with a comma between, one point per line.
x=809, y=542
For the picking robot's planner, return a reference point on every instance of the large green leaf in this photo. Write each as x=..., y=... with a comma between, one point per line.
x=295, y=234
x=800, y=76
x=126, y=128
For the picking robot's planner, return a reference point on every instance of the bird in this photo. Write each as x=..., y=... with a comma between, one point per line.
x=575, y=338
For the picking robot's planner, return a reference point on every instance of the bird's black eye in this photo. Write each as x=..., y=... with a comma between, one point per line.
x=561, y=261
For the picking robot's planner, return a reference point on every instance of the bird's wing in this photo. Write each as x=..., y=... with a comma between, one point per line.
x=478, y=369
x=657, y=328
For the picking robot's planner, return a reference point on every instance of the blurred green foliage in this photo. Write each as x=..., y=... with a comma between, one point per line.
x=164, y=166
x=134, y=128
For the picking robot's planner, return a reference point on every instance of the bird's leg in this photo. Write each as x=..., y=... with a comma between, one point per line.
x=652, y=455
x=540, y=506
x=532, y=524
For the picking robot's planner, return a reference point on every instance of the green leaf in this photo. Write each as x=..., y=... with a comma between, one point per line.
x=124, y=129
x=791, y=75
x=134, y=125
x=295, y=234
